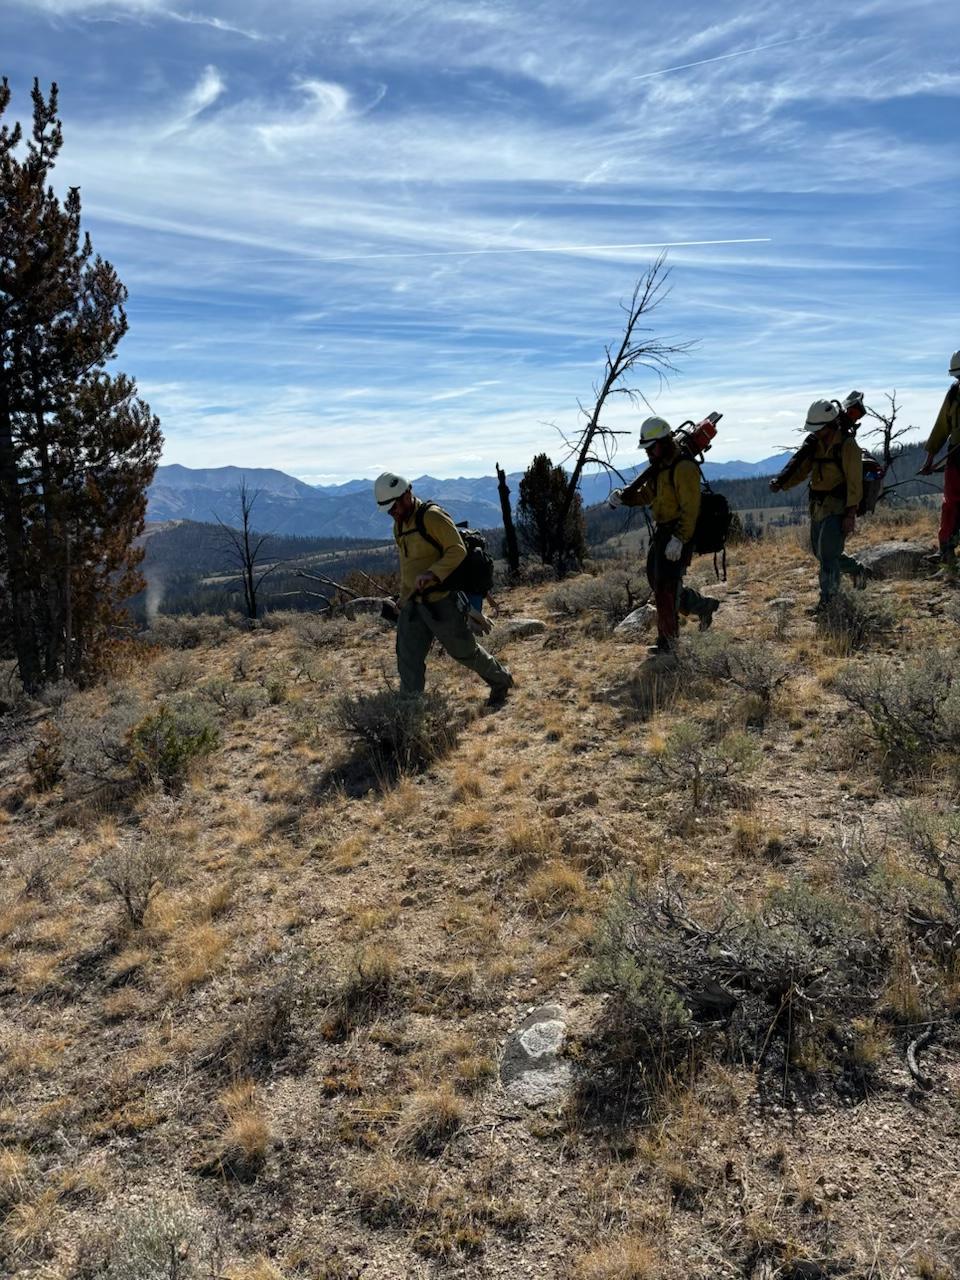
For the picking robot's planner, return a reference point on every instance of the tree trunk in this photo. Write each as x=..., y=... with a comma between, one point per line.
x=510, y=533
x=11, y=511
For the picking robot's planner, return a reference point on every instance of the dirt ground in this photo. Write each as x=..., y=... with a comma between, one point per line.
x=288, y=1066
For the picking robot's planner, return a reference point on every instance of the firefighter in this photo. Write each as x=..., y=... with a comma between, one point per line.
x=670, y=486
x=425, y=609
x=946, y=431
x=831, y=457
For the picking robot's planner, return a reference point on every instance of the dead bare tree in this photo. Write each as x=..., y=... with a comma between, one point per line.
x=888, y=432
x=244, y=547
x=639, y=348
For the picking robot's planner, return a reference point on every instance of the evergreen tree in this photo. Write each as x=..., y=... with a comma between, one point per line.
x=78, y=447
x=542, y=494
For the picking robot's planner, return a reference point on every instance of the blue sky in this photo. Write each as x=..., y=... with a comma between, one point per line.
x=317, y=205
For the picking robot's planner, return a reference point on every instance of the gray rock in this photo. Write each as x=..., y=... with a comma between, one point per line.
x=782, y=602
x=531, y=1070
x=517, y=628
x=637, y=625
x=896, y=559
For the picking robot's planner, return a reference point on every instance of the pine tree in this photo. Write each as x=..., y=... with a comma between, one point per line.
x=78, y=447
x=542, y=494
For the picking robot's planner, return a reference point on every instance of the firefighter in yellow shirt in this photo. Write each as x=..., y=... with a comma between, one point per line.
x=831, y=458
x=426, y=610
x=946, y=431
x=671, y=488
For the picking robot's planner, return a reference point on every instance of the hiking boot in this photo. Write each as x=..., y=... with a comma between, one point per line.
x=818, y=609
x=499, y=693
x=947, y=573
x=706, y=618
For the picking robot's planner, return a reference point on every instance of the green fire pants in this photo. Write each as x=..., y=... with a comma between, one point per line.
x=828, y=540
x=419, y=623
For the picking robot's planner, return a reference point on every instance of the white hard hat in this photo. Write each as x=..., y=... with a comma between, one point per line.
x=653, y=429
x=387, y=488
x=853, y=399
x=821, y=412
x=955, y=365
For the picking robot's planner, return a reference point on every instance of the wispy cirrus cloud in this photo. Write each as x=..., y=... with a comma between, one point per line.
x=406, y=231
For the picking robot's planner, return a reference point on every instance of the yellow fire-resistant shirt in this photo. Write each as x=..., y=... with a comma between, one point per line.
x=672, y=494
x=417, y=555
x=946, y=429
x=836, y=476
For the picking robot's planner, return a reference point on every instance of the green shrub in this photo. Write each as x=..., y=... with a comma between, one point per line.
x=134, y=873
x=161, y=1242
x=164, y=745
x=705, y=769
x=402, y=733
x=750, y=666
x=188, y=631
x=913, y=710
x=611, y=597
x=856, y=620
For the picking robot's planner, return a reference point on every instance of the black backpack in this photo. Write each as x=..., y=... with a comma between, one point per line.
x=474, y=574
x=713, y=523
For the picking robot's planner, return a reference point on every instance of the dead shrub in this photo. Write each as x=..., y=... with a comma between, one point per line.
x=369, y=987
x=263, y=1034
x=789, y=976
x=45, y=760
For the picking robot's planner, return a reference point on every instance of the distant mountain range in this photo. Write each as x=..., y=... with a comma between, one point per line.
x=290, y=506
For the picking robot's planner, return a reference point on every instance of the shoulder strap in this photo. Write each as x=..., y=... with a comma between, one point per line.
x=420, y=520
x=686, y=458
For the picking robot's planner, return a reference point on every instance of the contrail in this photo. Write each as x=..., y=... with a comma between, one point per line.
x=720, y=58
x=556, y=248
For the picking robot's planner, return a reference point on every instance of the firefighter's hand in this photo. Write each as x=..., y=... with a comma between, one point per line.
x=425, y=581
x=927, y=468
x=674, y=549
x=849, y=523
x=774, y=486
x=615, y=499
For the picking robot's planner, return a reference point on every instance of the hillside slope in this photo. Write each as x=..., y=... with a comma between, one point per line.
x=281, y=1059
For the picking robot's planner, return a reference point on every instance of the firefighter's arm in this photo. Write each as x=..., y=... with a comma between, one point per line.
x=686, y=481
x=795, y=472
x=940, y=432
x=442, y=529
x=640, y=491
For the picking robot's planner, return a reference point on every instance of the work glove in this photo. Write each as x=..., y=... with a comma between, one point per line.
x=927, y=468
x=615, y=499
x=674, y=549
x=774, y=486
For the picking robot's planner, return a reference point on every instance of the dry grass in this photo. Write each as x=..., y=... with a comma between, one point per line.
x=429, y=1121
x=556, y=890
x=629, y=1258
x=363, y=957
